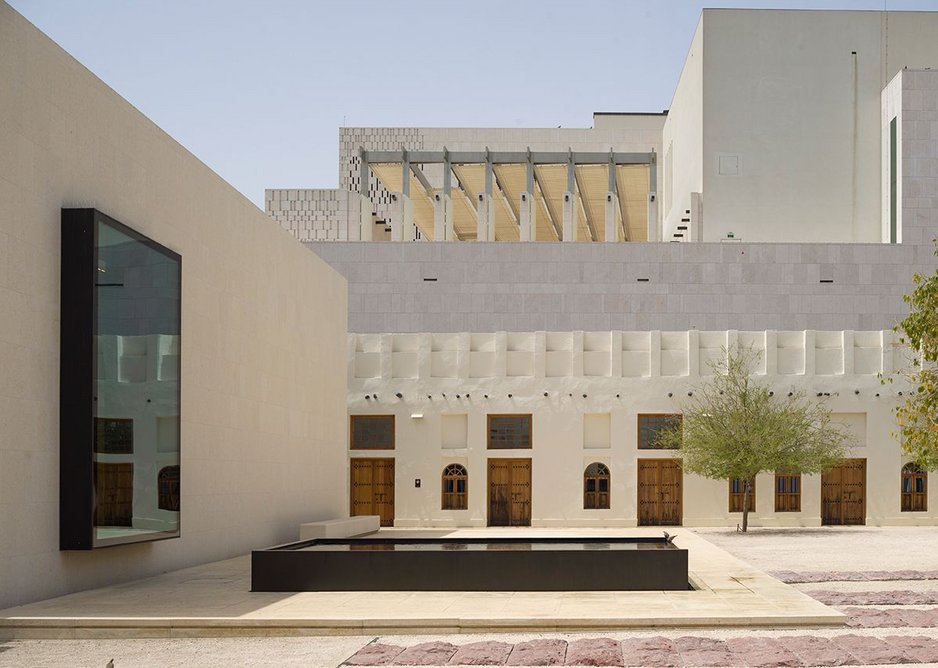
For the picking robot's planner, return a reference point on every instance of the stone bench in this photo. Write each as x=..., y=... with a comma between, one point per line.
x=345, y=527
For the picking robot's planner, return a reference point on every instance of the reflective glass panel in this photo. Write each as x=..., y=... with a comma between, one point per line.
x=136, y=394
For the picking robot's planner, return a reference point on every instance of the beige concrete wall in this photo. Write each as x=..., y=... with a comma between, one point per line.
x=263, y=364
x=796, y=95
x=682, y=141
x=597, y=383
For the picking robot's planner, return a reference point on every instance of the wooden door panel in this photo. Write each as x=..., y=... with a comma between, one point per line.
x=660, y=492
x=114, y=495
x=372, y=488
x=521, y=493
x=509, y=483
x=843, y=494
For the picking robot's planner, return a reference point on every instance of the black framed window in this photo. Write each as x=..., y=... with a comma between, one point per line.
x=119, y=401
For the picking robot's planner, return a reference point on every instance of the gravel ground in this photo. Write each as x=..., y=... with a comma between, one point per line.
x=832, y=548
x=821, y=549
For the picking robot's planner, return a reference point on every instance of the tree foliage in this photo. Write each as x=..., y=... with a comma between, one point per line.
x=917, y=415
x=735, y=427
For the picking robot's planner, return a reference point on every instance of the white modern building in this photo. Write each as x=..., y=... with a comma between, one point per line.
x=205, y=413
x=784, y=200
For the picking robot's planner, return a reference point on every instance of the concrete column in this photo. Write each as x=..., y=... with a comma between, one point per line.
x=366, y=226
x=528, y=212
x=653, y=215
x=402, y=218
x=612, y=205
x=443, y=218
x=615, y=351
x=501, y=354
x=576, y=358
x=809, y=352
x=654, y=353
x=693, y=353
x=485, y=215
x=569, y=216
x=540, y=354
x=771, y=352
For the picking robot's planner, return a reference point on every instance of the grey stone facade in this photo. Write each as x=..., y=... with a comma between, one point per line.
x=532, y=286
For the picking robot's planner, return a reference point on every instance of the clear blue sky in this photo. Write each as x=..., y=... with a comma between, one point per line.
x=258, y=89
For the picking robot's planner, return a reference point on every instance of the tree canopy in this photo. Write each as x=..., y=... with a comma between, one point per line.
x=918, y=413
x=735, y=427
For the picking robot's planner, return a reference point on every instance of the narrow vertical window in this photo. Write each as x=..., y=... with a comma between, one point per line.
x=914, y=488
x=455, y=487
x=596, y=487
x=893, y=181
x=787, y=493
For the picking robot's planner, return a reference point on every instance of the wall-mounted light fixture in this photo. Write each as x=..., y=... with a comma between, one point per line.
x=399, y=395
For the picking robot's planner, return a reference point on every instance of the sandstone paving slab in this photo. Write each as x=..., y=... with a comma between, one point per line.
x=919, y=619
x=594, y=652
x=873, y=618
x=815, y=651
x=921, y=649
x=894, y=597
x=797, y=577
x=869, y=650
x=435, y=653
x=696, y=651
x=483, y=653
x=760, y=651
x=374, y=654
x=547, y=652
x=655, y=651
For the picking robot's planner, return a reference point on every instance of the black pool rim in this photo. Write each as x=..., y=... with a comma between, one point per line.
x=290, y=568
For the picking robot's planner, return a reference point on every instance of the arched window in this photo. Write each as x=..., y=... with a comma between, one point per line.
x=914, y=488
x=596, y=486
x=167, y=483
x=455, y=486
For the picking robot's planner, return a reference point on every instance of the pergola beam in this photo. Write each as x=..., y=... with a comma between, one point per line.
x=508, y=157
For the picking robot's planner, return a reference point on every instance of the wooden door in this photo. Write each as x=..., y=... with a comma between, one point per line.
x=843, y=494
x=660, y=492
x=372, y=488
x=114, y=495
x=509, y=492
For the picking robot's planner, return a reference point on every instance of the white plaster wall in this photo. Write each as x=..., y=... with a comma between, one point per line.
x=263, y=378
x=682, y=140
x=621, y=375
x=783, y=92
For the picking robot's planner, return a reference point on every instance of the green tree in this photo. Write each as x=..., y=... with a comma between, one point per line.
x=917, y=415
x=736, y=427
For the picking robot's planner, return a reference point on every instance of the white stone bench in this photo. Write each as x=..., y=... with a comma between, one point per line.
x=345, y=527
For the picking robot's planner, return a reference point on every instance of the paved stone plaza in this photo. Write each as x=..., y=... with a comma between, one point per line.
x=885, y=581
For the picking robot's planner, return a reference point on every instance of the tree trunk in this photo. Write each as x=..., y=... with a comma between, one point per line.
x=746, y=490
